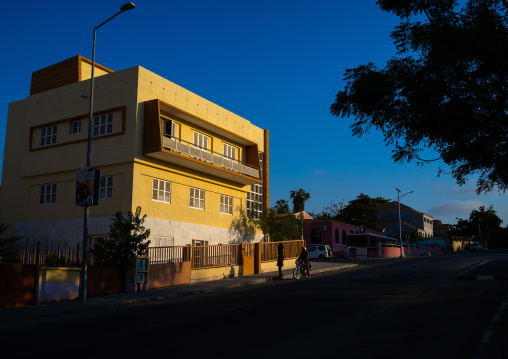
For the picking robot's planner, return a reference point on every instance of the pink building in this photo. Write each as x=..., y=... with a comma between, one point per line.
x=340, y=236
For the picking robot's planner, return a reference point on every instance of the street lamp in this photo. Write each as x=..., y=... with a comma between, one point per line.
x=124, y=7
x=400, y=222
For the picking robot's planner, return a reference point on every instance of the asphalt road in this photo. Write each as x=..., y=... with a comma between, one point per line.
x=389, y=308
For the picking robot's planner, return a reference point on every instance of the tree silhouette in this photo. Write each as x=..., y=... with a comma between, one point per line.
x=299, y=198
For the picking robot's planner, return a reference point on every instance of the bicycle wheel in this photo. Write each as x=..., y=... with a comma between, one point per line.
x=296, y=273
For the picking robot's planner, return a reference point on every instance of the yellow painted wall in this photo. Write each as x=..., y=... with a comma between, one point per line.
x=86, y=71
x=181, y=181
x=206, y=274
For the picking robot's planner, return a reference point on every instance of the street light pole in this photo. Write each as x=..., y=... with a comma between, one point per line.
x=84, y=265
x=400, y=222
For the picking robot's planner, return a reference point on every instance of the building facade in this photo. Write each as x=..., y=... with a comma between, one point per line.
x=411, y=220
x=340, y=236
x=193, y=167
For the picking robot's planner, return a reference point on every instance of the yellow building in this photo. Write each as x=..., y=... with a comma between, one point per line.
x=195, y=168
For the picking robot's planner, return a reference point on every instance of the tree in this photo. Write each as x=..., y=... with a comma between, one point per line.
x=360, y=211
x=282, y=206
x=299, y=198
x=447, y=90
x=483, y=225
x=280, y=227
x=127, y=238
x=332, y=211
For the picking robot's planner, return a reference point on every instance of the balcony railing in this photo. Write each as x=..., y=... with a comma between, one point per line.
x=209, y=156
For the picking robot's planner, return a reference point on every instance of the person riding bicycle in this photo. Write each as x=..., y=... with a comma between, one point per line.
x=304, y=258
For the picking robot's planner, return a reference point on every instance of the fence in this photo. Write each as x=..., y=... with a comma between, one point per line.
x=291, y=249
x=159, y=255
x=221, y=255
x=55, y=253
x=59, y=253
x=215, y=256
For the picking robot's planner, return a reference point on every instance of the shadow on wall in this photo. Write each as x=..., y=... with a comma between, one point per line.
x=242, y=228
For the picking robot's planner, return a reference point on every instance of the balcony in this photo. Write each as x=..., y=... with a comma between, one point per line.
x=205, y=155
x=186, y=154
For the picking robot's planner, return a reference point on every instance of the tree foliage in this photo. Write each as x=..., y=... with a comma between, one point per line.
x=299, y=198
x=280, y=227
x=282, y=206
x=127, y=238
x=483, y=225
x=446, y=90
x=360, y=211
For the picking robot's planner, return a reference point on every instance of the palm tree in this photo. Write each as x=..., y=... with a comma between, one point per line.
x=299, y=198
x=282, y=206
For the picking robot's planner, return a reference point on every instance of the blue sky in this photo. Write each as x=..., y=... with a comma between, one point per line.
x=278, y=63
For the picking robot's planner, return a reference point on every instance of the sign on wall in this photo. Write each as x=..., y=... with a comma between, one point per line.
x=87, y=186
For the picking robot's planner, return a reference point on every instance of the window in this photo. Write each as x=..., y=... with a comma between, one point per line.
x=255, y=201
x=47, y=194
x=337, y=236
x=197, y=198
x=48, y=135
x=161, y=190
x=161, y=241
x=75, y=127
x=103, y=124
x=229, y=151
x=315, y=236
x=200, y=140
x=106, y=188
x=343, y=237
x=168, y=128
x=226, y=204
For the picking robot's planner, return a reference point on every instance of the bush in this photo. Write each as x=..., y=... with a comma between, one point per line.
x=127, y=238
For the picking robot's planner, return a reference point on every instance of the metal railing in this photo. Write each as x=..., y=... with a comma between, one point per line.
x=215, y=256
x=160, y=255
x=58, y=253
x=209, y=156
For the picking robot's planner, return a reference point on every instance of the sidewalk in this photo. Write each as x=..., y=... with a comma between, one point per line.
x=11, y=315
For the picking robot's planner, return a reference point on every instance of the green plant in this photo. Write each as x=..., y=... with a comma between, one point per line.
x=127, y=238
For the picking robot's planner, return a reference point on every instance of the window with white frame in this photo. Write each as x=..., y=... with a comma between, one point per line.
x=47, y=194
x=48, y=135
x=75, y=127
x=200, y=140
x=255, y=201
x=226, y=204
x=229, y=151
x=168, y=128
x=103, y=124
x=106, y=188
x=161, y=190
x=162, y=241
x=197, y=198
